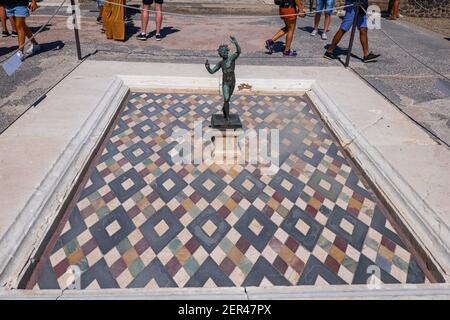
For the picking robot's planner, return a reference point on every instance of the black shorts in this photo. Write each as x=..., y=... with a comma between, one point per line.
x=151, y=1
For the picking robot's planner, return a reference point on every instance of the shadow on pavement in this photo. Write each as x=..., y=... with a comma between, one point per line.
x=130, y=30
x=339, y=51
x=307, y=29
x=5, y=51
x=166, y=31
x=50, y=46
x=45, y=28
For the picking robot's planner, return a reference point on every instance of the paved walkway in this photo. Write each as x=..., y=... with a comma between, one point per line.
x=410, y=84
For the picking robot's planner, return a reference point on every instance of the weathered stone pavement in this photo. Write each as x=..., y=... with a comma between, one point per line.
x=412, y=86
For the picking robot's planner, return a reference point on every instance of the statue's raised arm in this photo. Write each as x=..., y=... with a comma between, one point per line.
x=238, y=48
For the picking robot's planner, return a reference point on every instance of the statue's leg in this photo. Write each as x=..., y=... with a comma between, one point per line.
x=226, y=101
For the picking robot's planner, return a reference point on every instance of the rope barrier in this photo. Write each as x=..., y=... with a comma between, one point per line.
x=233, y=17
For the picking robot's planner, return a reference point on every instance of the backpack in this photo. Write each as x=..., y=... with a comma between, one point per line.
x=283, y=2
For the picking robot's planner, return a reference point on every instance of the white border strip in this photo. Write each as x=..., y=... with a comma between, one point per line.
x=338, y=292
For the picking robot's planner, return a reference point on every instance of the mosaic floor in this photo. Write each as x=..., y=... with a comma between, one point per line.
x=141, y=221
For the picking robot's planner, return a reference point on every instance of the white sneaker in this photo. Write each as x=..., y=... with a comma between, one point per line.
x=33, y=49
x=21, y=55
x=324, y=36
x=314, y=32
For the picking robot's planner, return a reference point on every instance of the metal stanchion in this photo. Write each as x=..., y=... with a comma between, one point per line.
x=311, y=4
x=352, y=36
x=75, y=29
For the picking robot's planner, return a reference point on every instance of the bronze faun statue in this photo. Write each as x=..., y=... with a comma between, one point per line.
x=227, y=65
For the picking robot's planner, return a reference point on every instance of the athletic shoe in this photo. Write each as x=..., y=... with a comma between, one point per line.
x=290, y=53
x=5, y=34
x=314, y=33
x=33, y=49
x=371, y=57
x=329, y=55
x=14, y=34
x=99, y=20
x=269, y=46
x=324, y=36
x=158, y=37
x=21, y=56
x=142, y=36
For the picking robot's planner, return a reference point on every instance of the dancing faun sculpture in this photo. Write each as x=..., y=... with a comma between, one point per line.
x=228, y=63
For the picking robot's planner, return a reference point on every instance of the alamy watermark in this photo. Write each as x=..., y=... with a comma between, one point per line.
x=374, y=17
x=74, y=20
x=374, y=280
x=252, y=146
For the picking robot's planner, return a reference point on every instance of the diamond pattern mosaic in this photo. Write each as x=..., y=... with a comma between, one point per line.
x=141, y=221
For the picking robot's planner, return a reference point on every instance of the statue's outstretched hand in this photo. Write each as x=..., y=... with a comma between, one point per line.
x=207, y=65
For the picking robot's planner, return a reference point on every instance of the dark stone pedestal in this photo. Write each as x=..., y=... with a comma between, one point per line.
x=218, y=122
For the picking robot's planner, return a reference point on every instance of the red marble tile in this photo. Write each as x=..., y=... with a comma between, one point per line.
x=118, y=267
x=332, y=264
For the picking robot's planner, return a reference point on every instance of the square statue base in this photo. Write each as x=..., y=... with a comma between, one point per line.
x=226, y=147
x=218, y=122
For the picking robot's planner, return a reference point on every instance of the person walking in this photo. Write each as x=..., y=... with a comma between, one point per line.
x=3, y=18
x=19, y=10
x=327, y=7
x=143, y=35
x=395, y=10
x=289, y=11
x=100, y=11
x=346, y=25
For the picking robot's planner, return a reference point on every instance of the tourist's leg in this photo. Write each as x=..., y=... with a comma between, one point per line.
x=100, y=10
x=395, y=9
x=346, y=24
x=327, y=22
x=317, y=20
x=280, y=32
x=3, y=18
x=336, y=39
x=159, y=17
x=13, y=25
x=364, y=38
x=290, y=34
x=320, y=5
x=144, y=17
x=20, y=27
x=23, y=31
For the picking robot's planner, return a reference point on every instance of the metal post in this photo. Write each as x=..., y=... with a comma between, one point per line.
x=75, y=29
x=352, y=36
x=311, y=3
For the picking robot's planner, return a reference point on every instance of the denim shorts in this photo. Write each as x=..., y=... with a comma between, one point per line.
x=347, y=21
x=328, y=5
x=17, y=11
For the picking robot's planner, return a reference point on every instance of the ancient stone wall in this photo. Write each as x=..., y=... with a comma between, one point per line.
x=426, y=8
x=414, y=8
